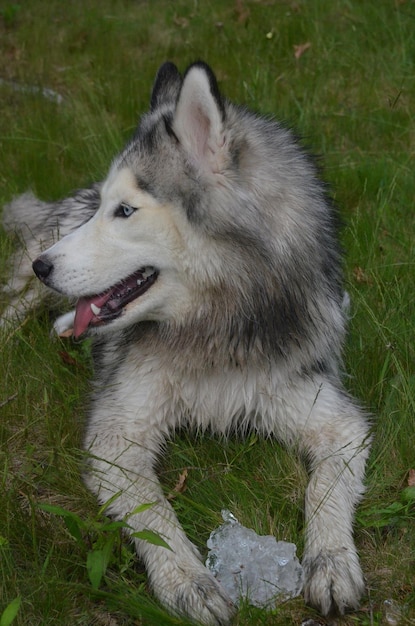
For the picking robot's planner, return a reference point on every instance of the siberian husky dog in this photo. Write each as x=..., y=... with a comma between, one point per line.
x=206, y=268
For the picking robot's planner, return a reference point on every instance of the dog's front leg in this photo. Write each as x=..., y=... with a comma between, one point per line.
x=334, y=436
x=121, y=469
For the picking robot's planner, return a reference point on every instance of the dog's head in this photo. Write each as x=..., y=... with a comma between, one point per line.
x=211, y=219
x=133, y=259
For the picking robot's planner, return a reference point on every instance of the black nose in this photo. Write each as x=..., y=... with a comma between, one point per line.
x=42, y=268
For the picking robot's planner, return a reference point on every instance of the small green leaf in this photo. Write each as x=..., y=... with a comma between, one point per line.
x=108, y=503
x=140, y=508
x=151, y=537
x=111, y=526
x=96, y=565
x=72, y=521
x=73, y=527
x=57, y=510
x=10, y=612
x=408, y=495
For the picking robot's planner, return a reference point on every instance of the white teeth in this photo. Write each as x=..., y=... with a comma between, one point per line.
x=95, y=309
x=148, y=272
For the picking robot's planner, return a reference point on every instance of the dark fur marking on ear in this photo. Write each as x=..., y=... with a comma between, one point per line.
x=168, y=120
x=166, y=86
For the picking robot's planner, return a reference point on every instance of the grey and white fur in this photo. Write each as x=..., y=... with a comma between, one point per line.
x=207, y=269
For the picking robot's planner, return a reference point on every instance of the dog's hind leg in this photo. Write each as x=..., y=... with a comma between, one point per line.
x=333, y=434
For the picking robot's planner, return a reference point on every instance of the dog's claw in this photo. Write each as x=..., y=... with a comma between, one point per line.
x=333, y=581
x=198, y=596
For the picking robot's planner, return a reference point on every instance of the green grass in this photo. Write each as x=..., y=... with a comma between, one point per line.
x=351, y=95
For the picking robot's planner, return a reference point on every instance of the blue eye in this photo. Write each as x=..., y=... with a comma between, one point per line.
x=124, y=210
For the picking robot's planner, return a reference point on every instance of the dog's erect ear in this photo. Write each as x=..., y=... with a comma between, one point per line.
x=198, y=120
x=166, y=86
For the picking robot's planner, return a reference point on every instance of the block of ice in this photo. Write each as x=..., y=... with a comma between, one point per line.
x=258, y=568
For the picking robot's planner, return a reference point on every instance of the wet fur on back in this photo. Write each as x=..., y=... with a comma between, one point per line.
x=237, y=324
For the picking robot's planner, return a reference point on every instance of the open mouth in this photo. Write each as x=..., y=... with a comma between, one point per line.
x=108, y=305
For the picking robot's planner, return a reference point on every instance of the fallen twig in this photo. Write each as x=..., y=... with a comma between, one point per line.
x=7, y=400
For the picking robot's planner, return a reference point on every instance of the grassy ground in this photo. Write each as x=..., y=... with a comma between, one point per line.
x=351, y=95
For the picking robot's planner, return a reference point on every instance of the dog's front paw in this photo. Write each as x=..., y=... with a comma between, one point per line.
x=194, y=593
x=333, y=581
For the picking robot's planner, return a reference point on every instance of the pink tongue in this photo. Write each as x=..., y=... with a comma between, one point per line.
x=84, y=314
